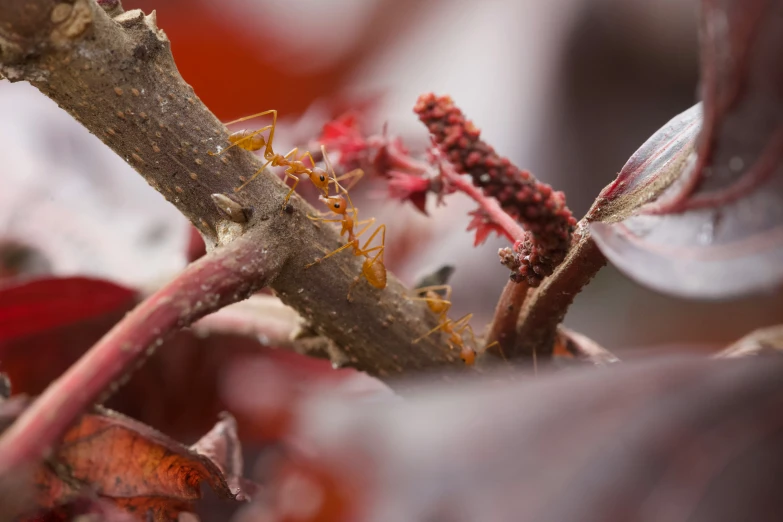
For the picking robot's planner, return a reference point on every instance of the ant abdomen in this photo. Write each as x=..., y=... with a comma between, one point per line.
x=247, y=139
x=375, y=272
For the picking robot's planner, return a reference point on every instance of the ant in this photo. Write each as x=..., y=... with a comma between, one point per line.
x=373, y=268
x=254, y=140
x=456, y=330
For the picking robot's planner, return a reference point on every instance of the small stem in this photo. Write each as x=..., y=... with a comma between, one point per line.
x=512, y=230
x=504, y=324
x=546, y=307
x=227, y=275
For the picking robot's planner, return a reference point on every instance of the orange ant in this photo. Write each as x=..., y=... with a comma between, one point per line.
x=254, y=140
x=456, y=330
x=373, y=268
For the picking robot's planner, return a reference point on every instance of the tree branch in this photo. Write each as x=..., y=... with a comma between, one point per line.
x=117, y=77
x=526, y=321
x=546, y=307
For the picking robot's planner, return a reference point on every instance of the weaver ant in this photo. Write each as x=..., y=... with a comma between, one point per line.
x=456, y=330
x=254, y=140
x=373, y=268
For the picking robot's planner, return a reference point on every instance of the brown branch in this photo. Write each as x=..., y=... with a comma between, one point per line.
x=224, y=276
x=526, y=321
x=546, y=307
x=503, y=329
x=118, y=78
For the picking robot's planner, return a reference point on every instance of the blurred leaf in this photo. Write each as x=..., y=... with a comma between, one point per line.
x=48, y=303
x=221, y=446
x=138, y=468
x=573, y=345
x=718, y=230
x=764, y=340
x=185, y=384
x=665, y=439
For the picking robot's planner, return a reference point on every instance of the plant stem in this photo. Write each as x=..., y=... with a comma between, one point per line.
x=227, y=275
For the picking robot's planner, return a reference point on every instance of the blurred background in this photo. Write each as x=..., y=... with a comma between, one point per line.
x=567, y=89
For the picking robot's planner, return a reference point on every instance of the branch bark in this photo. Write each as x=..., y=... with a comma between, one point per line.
x=118, y=78
x=544, y=308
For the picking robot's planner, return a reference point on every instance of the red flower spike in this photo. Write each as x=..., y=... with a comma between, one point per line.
x=541, y=210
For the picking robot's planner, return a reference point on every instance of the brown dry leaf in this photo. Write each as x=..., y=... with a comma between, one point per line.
x=138, y=468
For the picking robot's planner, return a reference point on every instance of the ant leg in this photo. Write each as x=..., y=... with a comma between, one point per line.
x=369, y=223
x=439, y=327
x=306, y=154
x=292, y=152
x=323, y=219
x=289, y=175
x=429, y=300
x=500, y=349
x=330, y=254
x=253, y=116
x=435, y=288
x=239, y=142
x=356, y=174
x=254, y=176
x=382, y=229
x=269, y=141
x=271, y=138
x=462, y=323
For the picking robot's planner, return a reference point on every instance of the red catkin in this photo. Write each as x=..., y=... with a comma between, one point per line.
x=541, y=210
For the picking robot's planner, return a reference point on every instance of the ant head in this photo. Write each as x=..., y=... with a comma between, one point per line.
x=336, y=204
x=320, y=178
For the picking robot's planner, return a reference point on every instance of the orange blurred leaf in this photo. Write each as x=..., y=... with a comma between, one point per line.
x=136, y=467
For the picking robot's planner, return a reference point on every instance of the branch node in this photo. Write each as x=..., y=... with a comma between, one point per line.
x=231, y=209
x=71, y=22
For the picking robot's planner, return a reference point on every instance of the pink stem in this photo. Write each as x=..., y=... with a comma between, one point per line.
x=511, y=228
x=227, y=275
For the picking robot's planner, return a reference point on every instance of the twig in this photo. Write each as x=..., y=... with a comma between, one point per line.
x=503, y=329
x=224, y=276
x=546, y=307
x=118, y=78
x=511, y=229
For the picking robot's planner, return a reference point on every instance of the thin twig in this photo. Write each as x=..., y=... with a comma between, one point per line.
x=503, y=329
x=224, y=276
x=512, y=230
x=545, y=308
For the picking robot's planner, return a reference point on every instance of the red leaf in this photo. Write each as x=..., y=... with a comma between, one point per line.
x=484, y=226
x=48, y=303
x=717, y=231
x=409, y=187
